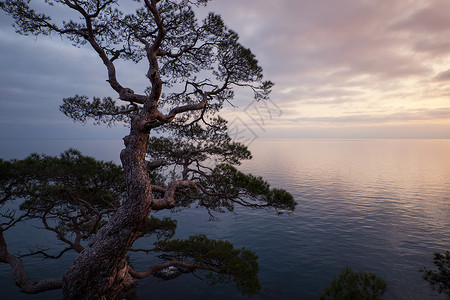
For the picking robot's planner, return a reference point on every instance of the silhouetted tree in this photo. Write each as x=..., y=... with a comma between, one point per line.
x=99, y=209
x=439, y=280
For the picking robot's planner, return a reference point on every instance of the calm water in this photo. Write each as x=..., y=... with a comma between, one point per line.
x=378, y=205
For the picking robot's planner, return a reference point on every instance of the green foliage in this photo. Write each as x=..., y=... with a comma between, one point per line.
x=207, y=155
x=65, y=180
x=281, y=199
x=351, y=285
x=196, y=144
x=6, y=173
x=72, y=194
x=439, y=280
x=162, y=228
x=80, y=109
x=232, y=186
x=230, y=265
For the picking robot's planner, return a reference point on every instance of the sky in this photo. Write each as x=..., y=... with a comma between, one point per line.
x=347, y=69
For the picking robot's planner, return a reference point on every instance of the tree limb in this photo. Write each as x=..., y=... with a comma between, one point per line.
x=180, y=109
x=20, y=277
x=46, y=255
x=153, y=165
x=74, y=245
x=142, y=250
x=169, y=197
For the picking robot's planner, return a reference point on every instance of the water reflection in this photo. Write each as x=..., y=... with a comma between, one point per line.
x=381, y=206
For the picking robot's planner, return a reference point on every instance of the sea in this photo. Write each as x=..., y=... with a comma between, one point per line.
x=381, y=206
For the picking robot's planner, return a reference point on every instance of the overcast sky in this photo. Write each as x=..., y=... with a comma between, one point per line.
x=342, y=69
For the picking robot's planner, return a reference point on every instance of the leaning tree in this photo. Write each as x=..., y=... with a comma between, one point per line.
x=177, y=153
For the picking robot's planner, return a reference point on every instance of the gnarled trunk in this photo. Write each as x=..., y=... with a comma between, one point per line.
x=101, y=271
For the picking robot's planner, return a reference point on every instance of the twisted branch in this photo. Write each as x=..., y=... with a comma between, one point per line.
x=20, y=277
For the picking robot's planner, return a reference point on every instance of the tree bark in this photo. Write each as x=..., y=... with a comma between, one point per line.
x=101, y=271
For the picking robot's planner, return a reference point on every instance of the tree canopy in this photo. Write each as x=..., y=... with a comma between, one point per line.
x=178, y=153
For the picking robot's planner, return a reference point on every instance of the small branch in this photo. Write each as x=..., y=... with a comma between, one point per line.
x=251, y=205
x=143, y=250
x=13, y=220
x=151, y=6
x=180, y=109
x=45, y=254
x=75, y=246
x=116, y=113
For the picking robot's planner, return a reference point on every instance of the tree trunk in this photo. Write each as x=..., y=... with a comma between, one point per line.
x=101, y=271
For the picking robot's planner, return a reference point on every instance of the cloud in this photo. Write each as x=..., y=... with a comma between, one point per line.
x=362, y=118
x=37, y=73
x=426, y=28
x=430, y=17
x=443, y=76
x=335, y=62
x=312, y=37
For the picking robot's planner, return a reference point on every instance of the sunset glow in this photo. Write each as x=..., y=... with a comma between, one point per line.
x=355, y=68
x=342, y=69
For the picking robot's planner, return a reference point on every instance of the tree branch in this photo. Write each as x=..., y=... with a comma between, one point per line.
x=142, y=250
x=169, y=197
x=12, y=219
x=75, y=246
x=46, y=255
x=153, y=165
x=20, y=277
x=180, y=109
